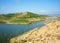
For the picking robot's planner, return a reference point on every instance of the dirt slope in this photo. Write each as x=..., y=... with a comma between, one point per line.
x=50, y=33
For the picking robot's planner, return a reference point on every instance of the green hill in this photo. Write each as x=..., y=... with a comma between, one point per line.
x=21, y=18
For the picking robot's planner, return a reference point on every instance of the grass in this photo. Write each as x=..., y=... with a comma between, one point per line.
x=18, y=19
x=21, y=20
x=2, y=22
x=33, y=15
x=9, y=16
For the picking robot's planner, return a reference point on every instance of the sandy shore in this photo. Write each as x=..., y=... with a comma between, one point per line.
x=50, y=33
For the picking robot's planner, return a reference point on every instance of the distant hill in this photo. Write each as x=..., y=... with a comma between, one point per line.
x=21, y=18
x=50, y=33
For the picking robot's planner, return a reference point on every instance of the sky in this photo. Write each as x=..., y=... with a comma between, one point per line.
x=35, y=6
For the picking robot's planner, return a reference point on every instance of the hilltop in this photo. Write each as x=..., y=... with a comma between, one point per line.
x=50, y=33
x=21, y=18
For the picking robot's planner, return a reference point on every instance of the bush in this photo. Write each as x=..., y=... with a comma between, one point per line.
x=23, y=41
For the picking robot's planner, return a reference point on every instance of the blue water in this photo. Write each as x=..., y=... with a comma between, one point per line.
x=8, y=31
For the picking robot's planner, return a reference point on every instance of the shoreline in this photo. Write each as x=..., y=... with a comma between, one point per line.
x=49, y=31
x=23, y=23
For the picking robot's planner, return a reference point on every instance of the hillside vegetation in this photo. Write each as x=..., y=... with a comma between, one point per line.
x=50, y=33
x=21, y=18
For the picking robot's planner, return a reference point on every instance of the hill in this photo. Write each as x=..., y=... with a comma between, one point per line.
x=21, y=18
x=50, y=33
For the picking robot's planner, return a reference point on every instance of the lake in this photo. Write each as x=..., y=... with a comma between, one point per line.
x=8, y=31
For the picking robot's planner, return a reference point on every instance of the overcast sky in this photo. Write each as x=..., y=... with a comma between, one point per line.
x=36, y=6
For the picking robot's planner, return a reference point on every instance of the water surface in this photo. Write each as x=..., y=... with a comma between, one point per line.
x=8, y=31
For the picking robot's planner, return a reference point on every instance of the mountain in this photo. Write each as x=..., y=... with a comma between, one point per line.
x=21, y=18
x=50, y=33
